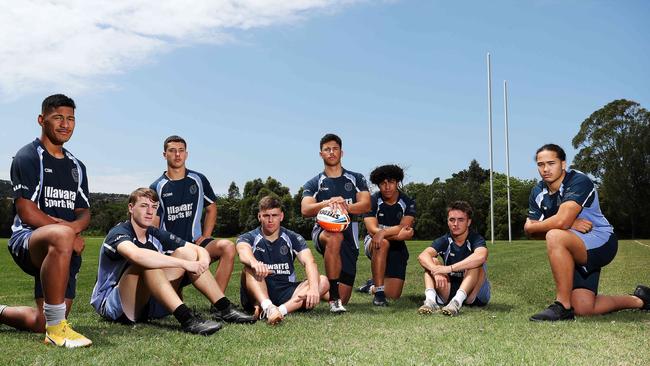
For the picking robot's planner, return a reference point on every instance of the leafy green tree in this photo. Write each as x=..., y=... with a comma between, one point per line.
x=614, y=147
x=256, y=189
x=233, y=191
x=228, y=216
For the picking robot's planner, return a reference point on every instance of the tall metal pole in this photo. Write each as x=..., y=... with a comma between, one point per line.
x=505, y=108
x=489, y=72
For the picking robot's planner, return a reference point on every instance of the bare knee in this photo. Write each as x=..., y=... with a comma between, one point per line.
x=185, y=253
x=60, y=238
x=228, y=250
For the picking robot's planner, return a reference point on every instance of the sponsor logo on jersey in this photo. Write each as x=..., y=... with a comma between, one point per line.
x=322, y=189
x=258, y=249
x=180, y=212
x=168, y=194
x=48, y=170
x=62, y=198
x=279, y=268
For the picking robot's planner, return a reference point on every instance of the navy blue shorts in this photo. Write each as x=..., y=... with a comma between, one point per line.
x=204, y=243
x=279, y=293
x=396, y=261
x=349, y=251
x=588, y=275
x=18, y=247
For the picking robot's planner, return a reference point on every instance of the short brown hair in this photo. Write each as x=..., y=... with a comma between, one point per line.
x=143, y=192
x=269, y=202
x=461, y=206
x=173, y=138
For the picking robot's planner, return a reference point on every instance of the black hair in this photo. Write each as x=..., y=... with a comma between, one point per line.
x=391, y=171
x=55, y=101
x=330, y=137
x=173, y=138
x=555, y=148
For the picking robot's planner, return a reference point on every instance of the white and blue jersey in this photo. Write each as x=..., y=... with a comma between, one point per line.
x=112, y=264
x=278, y=256
x=453, y=253
x=56, y=186
x=322, y=188
x=577, y=187
x=182, y=202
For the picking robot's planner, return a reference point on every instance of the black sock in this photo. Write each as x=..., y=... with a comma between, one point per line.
x=334, y=289
x=222, y=304
x=182, y=313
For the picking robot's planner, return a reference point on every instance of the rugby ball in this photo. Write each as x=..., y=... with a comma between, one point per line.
x=332, y=220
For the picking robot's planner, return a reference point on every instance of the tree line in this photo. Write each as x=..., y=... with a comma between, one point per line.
x=613, y=147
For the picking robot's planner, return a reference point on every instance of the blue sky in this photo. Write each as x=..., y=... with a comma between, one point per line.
x=253, y=87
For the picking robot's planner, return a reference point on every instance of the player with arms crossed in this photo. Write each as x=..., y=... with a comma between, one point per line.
x=462, y=271
x=142, y=270
x=389, y=224
x=336, y=188
x=564, y=209
x=269, y=278
x=184, y=194
x=51, y=204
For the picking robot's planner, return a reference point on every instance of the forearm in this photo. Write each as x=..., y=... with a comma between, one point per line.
x=311, y=270
x=534, y=227
x=209, y=221
x=473, y=261
x=245, y=255
x=153, y=260
x=358, y=208
x=81, y=222
x=391, y=232
x=426, y=261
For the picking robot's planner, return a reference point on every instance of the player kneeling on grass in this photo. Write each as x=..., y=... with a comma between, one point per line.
x=389, y=223
x=564, y=209
x=137, y=281
x=462, y=273
x=269, y=278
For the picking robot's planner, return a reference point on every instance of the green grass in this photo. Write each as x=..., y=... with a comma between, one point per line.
x=498, y=334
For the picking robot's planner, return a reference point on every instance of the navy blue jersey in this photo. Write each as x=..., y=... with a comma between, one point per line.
x=390, y=215
x=322, y=188
x=577, y=187
x=182, y=202
x=112, y=264
x=279, y=255
x=57, y=186
x=452, y=253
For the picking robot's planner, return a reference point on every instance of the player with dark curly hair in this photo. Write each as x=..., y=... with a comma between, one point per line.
x=389, y=224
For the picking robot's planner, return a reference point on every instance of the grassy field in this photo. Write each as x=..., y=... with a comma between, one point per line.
x=498, y=334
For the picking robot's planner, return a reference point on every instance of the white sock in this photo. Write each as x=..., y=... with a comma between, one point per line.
x=283, y=310
x=430, y=295
x=460, y=296
x=54, y=314
x=2, y=309
x=265, y=304
x=379, y=288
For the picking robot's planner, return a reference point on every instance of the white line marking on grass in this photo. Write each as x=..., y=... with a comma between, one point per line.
x=645, y=245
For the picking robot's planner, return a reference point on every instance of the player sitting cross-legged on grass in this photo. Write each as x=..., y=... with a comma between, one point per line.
x=50, y=191
x=564, y=209
x=462, y=273
x=389, y=223
x=269, y=278
x=142, y=270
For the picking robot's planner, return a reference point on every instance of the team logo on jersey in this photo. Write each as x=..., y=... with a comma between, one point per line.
x=75, y=174
x=193, y=189
x=399, y=215
x=284, y=250
x=349, y=187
